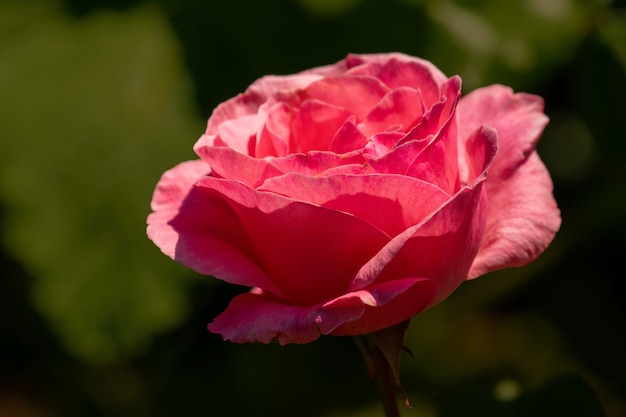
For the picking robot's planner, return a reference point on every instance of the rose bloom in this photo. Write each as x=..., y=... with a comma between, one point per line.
x=353, y=196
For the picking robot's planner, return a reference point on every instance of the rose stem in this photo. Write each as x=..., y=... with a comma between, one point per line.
x=380, y=373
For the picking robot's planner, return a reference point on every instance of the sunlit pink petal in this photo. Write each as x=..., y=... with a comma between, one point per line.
x=356, y=94
x=327, y=120
x=522, y=219
x=392, y=203
x=518, y=119
x=399, y=70
x=348, y=138
x=228, y=163
x=402, y=106
x=274, y=137
x=315, y=162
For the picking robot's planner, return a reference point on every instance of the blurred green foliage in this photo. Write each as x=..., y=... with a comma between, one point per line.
x=99, y=97
x=92, y=112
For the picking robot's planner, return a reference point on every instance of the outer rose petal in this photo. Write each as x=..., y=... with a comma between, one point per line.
x=256, y=316
x=518, y=118
x=201, y=231
x=402, y=304
x=176, y=183
x=310, y=252
x=522, y=219
x=392, y=203
x=522, y=214
x=168, y=195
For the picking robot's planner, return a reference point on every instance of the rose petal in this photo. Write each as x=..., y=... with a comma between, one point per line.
x=311, y=253
x=381, y=144
x=523, y=217
x=200, y=231
x=385, y=305
x=242, y=105
x=398, y=160
x=228, y=163
x=399, y=70
x=314, y=126
x=315, y=162
x=253, y=318
x=175, y=184
x=518, y=118
x=240, y=133
x=274, y=138
x=444, y=244
x=440, y=114
x=257, y=317
x=522, y=220
x=348, y=138
x=402, y=106
x=355, y=94
x=392, y=203
x=249, y=102
x=270, y=84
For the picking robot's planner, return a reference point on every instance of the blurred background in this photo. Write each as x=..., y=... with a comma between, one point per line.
x=98, y=98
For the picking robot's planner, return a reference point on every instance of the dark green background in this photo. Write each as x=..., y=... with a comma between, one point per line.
x=98, y=98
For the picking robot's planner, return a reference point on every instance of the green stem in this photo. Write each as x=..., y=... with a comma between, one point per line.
x=386, y=386
x=381, y=374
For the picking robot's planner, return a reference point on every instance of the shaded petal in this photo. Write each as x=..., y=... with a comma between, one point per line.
x=384, y=305
x=390, y=202
x=311, y=253
x=200, y=231
x=257, y=317
x=253, y=318
x=522, y=220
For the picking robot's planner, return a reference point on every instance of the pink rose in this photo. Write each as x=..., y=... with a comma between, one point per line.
x=353, y=196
